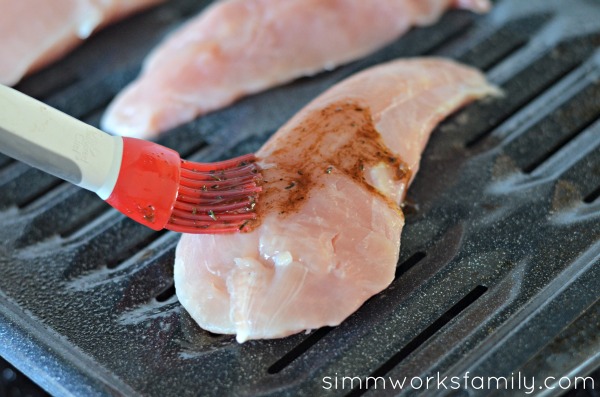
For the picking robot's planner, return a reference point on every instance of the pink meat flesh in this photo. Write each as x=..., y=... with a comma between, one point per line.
x=238, y=47
x=35, y=33
x=330, y=220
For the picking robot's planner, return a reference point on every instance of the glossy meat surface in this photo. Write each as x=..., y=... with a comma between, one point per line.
x=35, y=33
x=239, y=47
x=328, y=235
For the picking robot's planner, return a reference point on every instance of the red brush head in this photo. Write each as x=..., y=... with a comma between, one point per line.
x=216, y=197
x=158, y=189
x=148, y=181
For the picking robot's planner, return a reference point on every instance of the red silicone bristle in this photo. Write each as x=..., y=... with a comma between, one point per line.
x=217, y=176
x=217, y=185
x=236, y=206
x=215, y=197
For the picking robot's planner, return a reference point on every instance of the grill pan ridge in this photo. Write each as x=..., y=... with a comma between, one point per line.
x=499, y=270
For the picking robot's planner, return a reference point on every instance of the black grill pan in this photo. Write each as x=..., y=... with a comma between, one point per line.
x=499, y=271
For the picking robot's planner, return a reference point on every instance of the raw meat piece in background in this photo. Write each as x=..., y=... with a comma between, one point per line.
x=239, y=47
x=36, y=33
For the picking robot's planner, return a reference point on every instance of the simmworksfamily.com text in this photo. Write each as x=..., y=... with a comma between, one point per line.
x=528, y=384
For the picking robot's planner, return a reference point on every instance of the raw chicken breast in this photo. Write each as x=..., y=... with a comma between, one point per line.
x=329, y=219
x=34, y=33
x=237, y=47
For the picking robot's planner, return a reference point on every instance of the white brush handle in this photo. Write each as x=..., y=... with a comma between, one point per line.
x=61, y=145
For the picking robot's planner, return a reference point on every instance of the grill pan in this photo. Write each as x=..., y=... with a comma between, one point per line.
x=499, y=270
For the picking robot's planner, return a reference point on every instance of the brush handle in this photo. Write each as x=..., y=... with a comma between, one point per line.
x=61, y=145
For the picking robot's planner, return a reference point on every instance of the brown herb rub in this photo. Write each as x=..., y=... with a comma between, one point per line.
x=338, y=139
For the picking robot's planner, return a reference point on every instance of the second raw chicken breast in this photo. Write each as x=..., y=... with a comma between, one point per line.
x=238, y=47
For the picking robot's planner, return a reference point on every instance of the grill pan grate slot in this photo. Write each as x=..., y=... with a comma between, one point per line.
x=449, y=39
x=424, y=336
x=409, y=263
x=149, y=278
x=593, y=196
x=557, y=147
x=90, y=208
x=428, y=40
x=134, y=246
x=90, y=95
x=167, y=294
x=549, y=135
x=21, y=185
x=299, y=350
x=116, y=239
x=41, y=88
x=503, y=42
x=62, y=216
x=527, y=85
x=577, y=165
x=5, y=161
x=28, y=200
